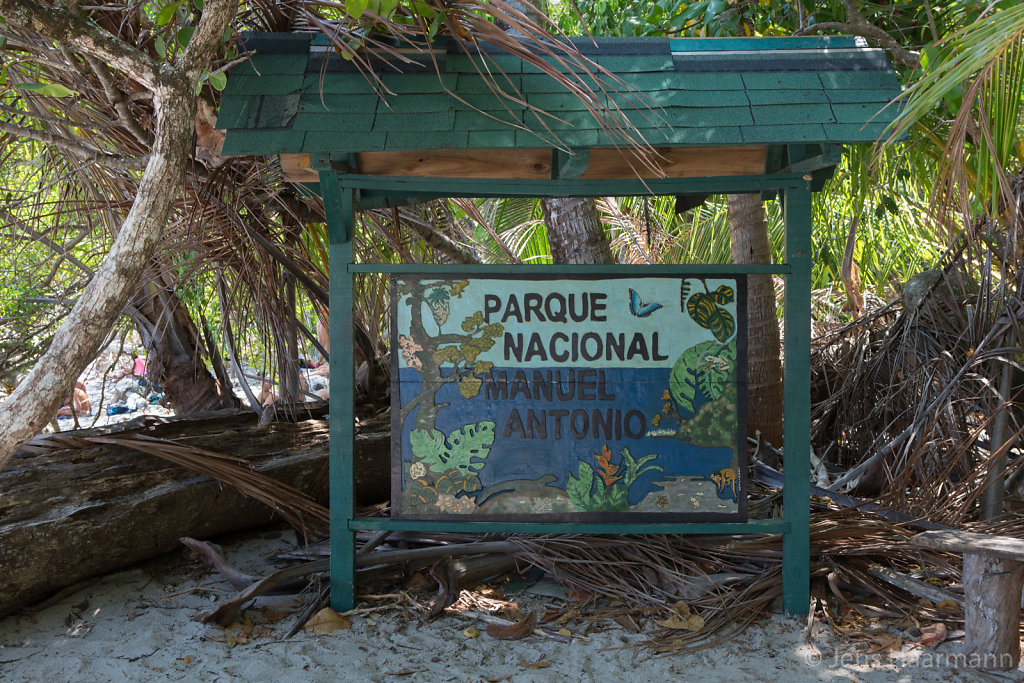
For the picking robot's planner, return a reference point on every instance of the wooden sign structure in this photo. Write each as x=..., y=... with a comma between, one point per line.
x=583, y=399
x=721, y=115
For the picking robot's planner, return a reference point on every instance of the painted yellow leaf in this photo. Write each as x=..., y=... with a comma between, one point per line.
x=327, y=621
x=471, y=632
x=564, y=632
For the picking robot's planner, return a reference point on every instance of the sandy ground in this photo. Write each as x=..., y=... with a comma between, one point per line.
x=137, y=625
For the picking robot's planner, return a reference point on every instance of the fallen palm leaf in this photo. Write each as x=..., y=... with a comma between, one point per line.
x=327, y=621
x=539, y=664
x=516, y=631
x=302, y=512
x=932, y=635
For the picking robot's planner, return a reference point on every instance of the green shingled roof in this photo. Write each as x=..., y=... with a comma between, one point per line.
x=297, y=96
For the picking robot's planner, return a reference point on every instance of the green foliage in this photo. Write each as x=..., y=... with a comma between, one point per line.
x=707, y=309
x=454, y=482
x=608, y=491
x=715, y=424
x=708, y=365
x=578, y=488
x=464, y=450
x=46, y=89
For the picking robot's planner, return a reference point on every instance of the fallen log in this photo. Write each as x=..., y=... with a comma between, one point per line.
x=78, y=512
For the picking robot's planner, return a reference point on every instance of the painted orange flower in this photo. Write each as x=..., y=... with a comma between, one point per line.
x=606, y=469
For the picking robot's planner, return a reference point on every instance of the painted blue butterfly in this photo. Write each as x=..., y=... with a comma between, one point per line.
x=638, y=308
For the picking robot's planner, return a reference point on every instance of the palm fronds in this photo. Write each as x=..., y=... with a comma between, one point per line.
x=307, y=516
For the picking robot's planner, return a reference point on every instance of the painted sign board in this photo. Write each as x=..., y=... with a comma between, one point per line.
x=569, y=398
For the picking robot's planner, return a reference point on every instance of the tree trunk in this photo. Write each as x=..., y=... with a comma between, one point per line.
x=749, y=229
x=175, y=352
x=992, y=611
x=79, y=513
x=36, y=399
x=575, y=232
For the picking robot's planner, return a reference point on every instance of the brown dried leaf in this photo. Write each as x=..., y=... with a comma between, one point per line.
x=514, y=631
x=419, y=583
x=327, y=621
x=627, y=622
x=405, y=672
x=949, y=605
x=539, y=664
x=272, y=616
x=885, y=643
x=551, y=615
x=932, y=635
x=692, y=622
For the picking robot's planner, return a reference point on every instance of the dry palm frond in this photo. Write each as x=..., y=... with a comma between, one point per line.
x=730, y=581
x=907, y=398
x=236, y=225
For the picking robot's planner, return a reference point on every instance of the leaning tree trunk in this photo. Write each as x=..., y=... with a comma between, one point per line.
x=749, y=229
x=175, y=352
x=34, y=402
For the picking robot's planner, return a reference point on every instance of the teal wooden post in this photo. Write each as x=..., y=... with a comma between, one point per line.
x=340, y=219
x=796, y=552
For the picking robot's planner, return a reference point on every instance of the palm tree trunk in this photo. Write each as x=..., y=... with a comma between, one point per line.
x=575, y=233
x=749, y=228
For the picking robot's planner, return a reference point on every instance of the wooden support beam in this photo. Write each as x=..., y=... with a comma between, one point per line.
x=296, y=168
x=527, y=164
x=538, y=164
x=676, y=162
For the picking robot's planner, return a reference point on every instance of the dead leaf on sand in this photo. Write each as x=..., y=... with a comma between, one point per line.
x=682, y=619
x=514, y=631
x=327, y=621
x=272, y=616
x=627, y=622
x=404, y=672
x=498, y=679
x=578, y=595
x=884, y=643
x=539, y=664
x=932, y=635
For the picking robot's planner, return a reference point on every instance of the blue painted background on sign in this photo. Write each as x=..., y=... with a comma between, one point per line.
x=514, y=457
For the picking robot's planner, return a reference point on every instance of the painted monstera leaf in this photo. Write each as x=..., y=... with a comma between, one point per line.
x=707, y=365
x=464, y=450
x=706, y=309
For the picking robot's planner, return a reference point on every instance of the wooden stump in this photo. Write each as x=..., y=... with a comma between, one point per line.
x=992, y=586
x=993, y=576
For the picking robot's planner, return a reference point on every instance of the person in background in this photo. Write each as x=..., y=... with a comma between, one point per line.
x=77, y=402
